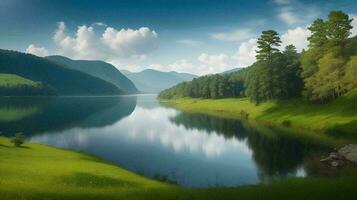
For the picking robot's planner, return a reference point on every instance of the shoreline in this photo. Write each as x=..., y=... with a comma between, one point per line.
x=319, y=121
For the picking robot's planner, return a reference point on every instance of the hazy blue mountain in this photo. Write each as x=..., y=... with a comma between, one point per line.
x=98, y=69
x=61, y=80
x=153, y=81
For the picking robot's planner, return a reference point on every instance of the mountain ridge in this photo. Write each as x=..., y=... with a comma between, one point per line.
x=154, y=81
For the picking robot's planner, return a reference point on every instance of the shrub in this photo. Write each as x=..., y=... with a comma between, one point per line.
x=18, y=140
x=286, y=123
x=244, y=115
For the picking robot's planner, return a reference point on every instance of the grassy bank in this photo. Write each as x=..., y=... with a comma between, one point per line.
x=338, y=117
x=37, y=171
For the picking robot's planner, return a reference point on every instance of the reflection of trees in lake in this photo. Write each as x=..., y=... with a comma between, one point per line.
x=275, y=154
x=59, y=113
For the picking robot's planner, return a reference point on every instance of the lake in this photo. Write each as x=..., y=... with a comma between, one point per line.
x=154, y=140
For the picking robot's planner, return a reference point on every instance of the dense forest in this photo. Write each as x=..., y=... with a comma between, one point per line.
x=323, y=72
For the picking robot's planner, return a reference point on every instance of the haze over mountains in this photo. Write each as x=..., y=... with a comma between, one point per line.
x=153, y=81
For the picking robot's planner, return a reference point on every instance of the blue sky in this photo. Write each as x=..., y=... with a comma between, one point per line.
x=194, y=36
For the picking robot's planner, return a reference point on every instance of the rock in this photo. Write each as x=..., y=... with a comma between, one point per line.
x=334, y=156
x=349, y=152
x=334, y=164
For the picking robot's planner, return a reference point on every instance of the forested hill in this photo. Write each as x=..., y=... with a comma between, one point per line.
x=98, y=69
x=153, y=81
x=322, y=73
x=61, y=80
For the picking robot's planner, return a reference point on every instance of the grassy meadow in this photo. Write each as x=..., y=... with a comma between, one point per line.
x=36, y=171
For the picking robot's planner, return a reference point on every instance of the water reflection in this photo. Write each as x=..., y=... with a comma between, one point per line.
x=34, y=115
x=143, y=136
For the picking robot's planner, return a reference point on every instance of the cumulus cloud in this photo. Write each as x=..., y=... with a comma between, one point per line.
x=219, y=60
x=297, y=37
x=82, y=46
x=245, y=56
x=184, y=66
x=129, y=42
x=112, y=43
x=38, y=51
x=236, y=35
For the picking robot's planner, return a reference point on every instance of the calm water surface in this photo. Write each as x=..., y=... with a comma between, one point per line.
x=143, y=136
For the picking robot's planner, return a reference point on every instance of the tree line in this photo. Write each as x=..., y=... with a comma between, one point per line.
x=323, y=72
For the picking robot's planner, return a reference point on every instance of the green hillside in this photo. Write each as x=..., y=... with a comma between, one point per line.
x=62, y=80
x=13, y=85
x=153, y=81
x=98, y=69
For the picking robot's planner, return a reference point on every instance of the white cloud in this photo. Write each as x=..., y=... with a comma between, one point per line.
x=245, y=56
x=99, y=24
x=38, y=51
x=129, y=42
x=288, y=16
x=293, y=12
x=236, y=35
x=184, y=66
x=112, y=44
x=189, y=42
x=354, y=24
x=297, y=37
x=219, y=60
x=82, y=46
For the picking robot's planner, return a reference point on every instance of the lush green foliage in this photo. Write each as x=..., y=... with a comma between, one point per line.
x=13, y=85
x=62, y=80
x=327, y=70
x=98, y=69
x=329, y=65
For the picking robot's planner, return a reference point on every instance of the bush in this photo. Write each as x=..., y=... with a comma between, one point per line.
x=18, y=140
x=286, y=123
x=244, y=115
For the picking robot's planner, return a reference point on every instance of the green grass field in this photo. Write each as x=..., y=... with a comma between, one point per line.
x=12, y=80
x=338, y=117
x=37, y=171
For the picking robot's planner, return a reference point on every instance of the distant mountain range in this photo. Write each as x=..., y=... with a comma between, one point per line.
x=59, y=75
x=97, y=69
x=153, y=81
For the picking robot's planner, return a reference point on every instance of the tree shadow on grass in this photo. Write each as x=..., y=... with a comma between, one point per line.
x=348, y=130
x=82, y=179
x=340, y=107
